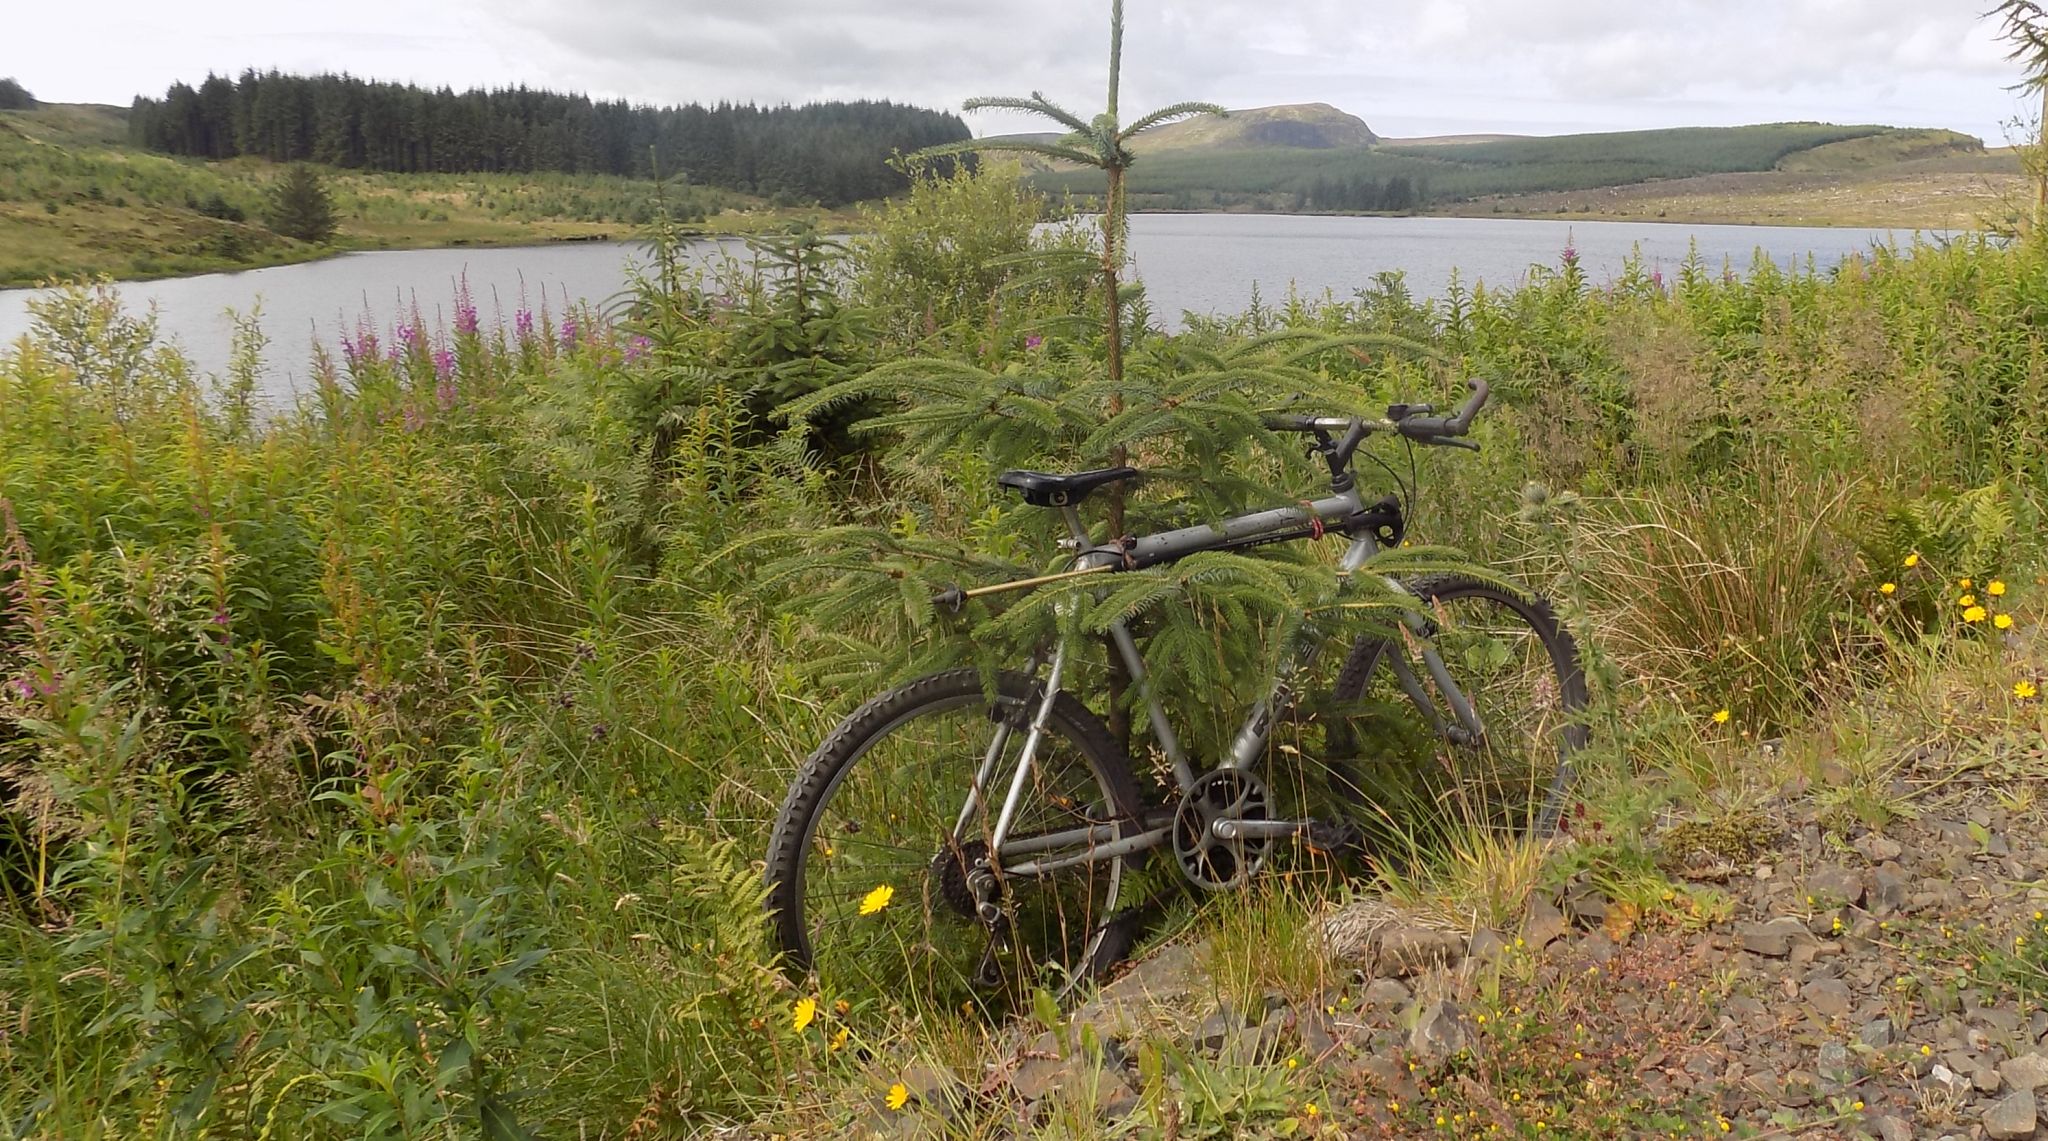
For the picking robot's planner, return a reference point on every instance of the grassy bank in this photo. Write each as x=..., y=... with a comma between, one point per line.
x=73, y=199
x=402, y=767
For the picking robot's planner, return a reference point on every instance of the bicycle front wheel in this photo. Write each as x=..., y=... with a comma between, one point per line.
x=871, y=866
x=1400, y=743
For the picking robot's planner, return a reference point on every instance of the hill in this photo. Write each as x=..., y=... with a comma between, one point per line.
x=1296, y=126
x=75, y=199
x=1453, y=173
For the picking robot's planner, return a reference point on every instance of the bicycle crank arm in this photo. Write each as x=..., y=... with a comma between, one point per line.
x=1259, y=829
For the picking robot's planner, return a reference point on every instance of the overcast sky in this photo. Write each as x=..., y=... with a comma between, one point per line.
x=1417, y=67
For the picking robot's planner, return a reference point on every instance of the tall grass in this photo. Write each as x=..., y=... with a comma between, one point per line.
x=399, y=766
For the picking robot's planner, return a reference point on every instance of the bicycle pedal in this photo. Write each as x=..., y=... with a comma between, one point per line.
x=1326, y=838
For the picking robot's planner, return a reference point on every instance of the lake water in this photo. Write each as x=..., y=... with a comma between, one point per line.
x=1203, y=263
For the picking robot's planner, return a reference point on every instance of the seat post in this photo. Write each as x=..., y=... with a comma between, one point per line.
x=1074, y=527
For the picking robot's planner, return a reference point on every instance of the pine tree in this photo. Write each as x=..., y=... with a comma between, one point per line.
x=15, y=97
x=1102, y=144
x=2024, y=24
x=300, y=207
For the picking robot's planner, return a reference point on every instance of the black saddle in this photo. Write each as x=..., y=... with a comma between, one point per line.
x=1042, y=490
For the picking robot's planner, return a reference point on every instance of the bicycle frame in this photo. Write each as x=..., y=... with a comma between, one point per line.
x=1344, y=513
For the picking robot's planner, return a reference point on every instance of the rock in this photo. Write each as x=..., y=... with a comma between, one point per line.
x=1407, y=951
x=1216, y=1029
x=1775, y=938
x=1796, y=1091
x=1441, y=1029
x=1829, y=997
x=1890, y=889
x=1876, y=1034
x=1985, y=1080
x=2013, y=1115
x=1834, y=1065
x=1831, y=884
x=1256, y=1045
x=1487, y=946
x=1544, y=924
x=1878, y=848
x=1891, y=1128
x=1317, y=1036
x=1586, y=907
x=938, y=1091
x=1170, y=979
x=2026, y=1072
x=1385, y=994
x=1955, y=1083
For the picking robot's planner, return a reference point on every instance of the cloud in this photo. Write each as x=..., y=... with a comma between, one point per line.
x=1414, y=67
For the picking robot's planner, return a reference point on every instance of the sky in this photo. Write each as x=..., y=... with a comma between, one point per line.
x=1409, y=68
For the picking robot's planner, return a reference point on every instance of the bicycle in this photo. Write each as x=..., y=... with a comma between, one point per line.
x=1005, y=821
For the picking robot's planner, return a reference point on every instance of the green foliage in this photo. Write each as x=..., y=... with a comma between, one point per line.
x=300, y=207
x=395, y=766
x=832, y=153
x=1395, y=178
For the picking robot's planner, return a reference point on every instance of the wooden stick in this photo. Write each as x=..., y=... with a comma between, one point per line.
x=1030, y=583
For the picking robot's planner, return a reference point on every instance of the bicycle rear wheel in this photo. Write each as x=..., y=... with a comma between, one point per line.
x=1411, y=762
x=869, y=863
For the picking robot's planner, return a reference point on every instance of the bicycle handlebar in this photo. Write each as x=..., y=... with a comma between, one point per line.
x=1434, y=429
x=1415, y=421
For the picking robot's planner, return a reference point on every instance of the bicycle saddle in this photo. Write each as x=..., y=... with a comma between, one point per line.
x=1043, y=490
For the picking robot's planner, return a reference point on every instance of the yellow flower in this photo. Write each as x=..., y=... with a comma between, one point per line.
x=1964, y=583
x=877, y=899
x=2024, y=690
x=1310, y=1110
x=1974, y=614
x=1293, y=1062
x=1967, y=600
x=1888, y=588
x=2003, y=621
x=899, y=1096
x=1913, y=560
x=1995, y=588
x=838, y=1041
x=805, y=1010
x=1721, y=716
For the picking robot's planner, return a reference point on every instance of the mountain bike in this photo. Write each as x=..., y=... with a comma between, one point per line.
x=964, y=833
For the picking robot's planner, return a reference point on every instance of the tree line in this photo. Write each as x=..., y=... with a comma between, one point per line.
x=15, y=97
x=830, y=153
x=1395, y=194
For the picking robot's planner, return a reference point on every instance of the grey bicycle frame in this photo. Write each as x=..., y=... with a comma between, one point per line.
x=1108, y=840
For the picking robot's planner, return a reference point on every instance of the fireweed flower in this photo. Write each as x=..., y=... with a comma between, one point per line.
x=522, y=324
x=465, y=309
x=444, y=363
x=1033, y=341
x=637, y=348
x=569, y=331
